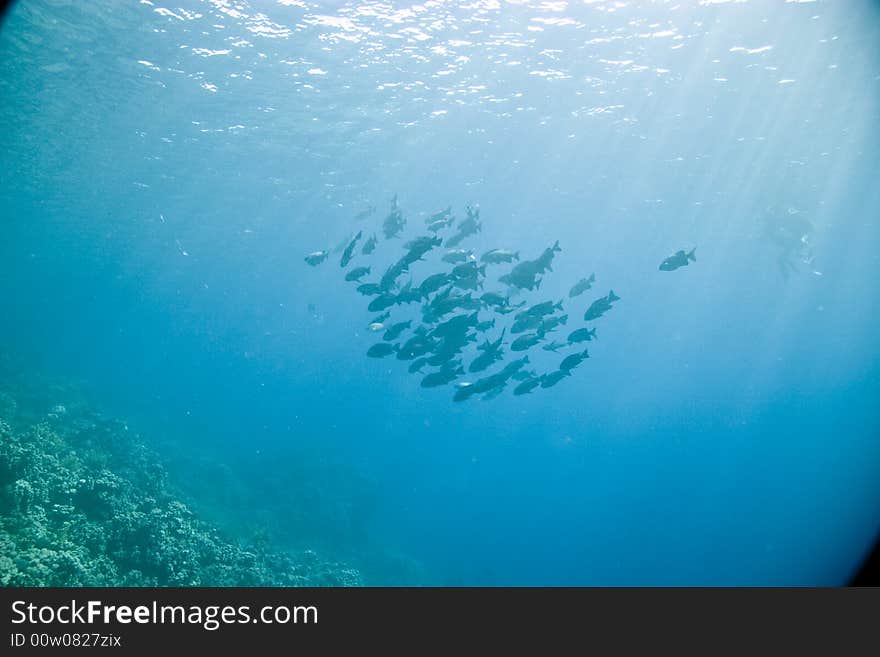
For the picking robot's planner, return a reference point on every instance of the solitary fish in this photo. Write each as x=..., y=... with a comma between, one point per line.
x=316, y=258
x=582, y=286
x=678, y=259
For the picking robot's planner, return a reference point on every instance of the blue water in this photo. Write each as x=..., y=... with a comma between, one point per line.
x=165, y=169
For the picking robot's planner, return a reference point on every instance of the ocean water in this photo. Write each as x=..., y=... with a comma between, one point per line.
x=165, y=169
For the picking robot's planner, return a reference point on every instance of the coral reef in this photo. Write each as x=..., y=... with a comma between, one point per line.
x=84, y=503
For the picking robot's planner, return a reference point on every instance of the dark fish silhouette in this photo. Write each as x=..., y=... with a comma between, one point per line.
x=370, y=245
x=551, y=379
x=348, y=254
x=582, y=335
x=381, y=349
x=582, y=286
x=573, y=360
x=600, y=306
x=394, y=223
x=369, y=289
x=357, y=273
x=678, y=259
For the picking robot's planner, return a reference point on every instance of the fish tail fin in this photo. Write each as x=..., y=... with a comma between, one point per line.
x=563, y=319
x=592, y=278
x=612, y=296
x=556, y=246
x=691, y=255
x=558, y=305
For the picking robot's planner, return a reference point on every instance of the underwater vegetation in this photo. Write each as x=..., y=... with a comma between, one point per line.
x=85, y=503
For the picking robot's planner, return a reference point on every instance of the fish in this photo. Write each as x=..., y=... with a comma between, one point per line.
x=418, y=247
x=433, y=283
x=551, y=379
x=381, y=350
x=468, y=269
x=499, y=256
x=482, y=327
x=382, y=302
x=369, y=289
x=495, y=299
x=454, y=256
x=378, y=319
x=554, y=346
x=522, y=375
x=540, y=309
x=678, y=259
x=469, y=226
x=357, y=273
x=417, y=345
x=468, y=283
x=527, y=386
x=440, y=216
x=395, y=222
x=438, y=225
x=582, y=286
x=417, y=365
x=526, y=341
x=370, y=245
x=408, y=294
x=491, y=352
x=573, y=360
x=525, y=274
x=582, y=335
x=551, y=323
x=525, y=324
x=545, y=260
x=316, y=258
x=445, y=375
x=493, y=393
x=395, y=330
x=487, y=383
x=389, y=278
x=348, y=254
x=600, y=306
